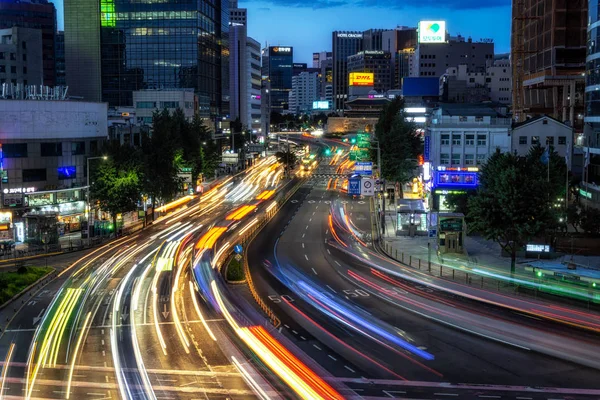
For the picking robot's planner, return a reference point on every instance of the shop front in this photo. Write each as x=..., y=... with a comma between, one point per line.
x=67, y=204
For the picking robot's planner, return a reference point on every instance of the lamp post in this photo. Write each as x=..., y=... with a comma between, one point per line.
x=89, y=203
x=382, y=182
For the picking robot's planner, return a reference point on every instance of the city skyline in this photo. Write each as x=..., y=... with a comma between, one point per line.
x=308, y=28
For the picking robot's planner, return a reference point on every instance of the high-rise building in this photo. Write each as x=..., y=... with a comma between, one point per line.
x=376, y=61
x=320, y=57
x=21, y=56
x=60, y=59
x=373, y=39
x=277, y=70
x=34, y=14
x=237, y=15
x=344, y=44
x=305, y=90
x=591, y=139
x=432, y=59
x=401, y=43
x=116, y=47
x=548, y=53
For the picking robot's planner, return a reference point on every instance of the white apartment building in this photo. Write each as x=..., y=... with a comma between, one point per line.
x=459, y=84
x=499, y=80
x=305, y=90
x=465, y=135
x=146, y=102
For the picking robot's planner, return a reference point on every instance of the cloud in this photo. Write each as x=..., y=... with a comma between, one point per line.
x=393, y=4
x=264, y=9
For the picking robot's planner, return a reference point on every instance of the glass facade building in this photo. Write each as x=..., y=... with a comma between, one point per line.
x=591, y=140
x=281, y=61
x=344, y=44
x=138, y=45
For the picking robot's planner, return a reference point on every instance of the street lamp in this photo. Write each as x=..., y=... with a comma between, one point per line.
x=382, y=183
x=89, y=205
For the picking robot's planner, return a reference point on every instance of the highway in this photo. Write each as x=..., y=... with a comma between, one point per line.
x=321, y=296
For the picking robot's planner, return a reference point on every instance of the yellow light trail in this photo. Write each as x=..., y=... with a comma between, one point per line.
x=182, y=336
x=200, y=316
x=74, y=358
x=5, y=368
x=175, y=203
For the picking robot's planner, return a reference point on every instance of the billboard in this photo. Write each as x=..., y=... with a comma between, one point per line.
x=432, y=31
x=320, y=105
x=361, y=79
x=275, y=50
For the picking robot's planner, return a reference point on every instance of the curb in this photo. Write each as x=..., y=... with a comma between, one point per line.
x=25, y=290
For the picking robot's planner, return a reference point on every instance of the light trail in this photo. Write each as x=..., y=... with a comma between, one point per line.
x=176, y=203
x=180, y=332
x=249, y=380
x=200, y=316
x=248, y=226
x=5, y=368
x=74, y=358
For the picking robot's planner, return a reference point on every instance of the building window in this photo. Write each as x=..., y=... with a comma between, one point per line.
x=93, y=147
x=481, y=159
x=549, y=140
x=456, y=140
x=445, y=140
x=169, y=104
x=2, y=69
x=469, y=159
x=470, y=140
x=24, y=45
x=456, y=159
x=69, y=172
x=522, y=139
x=535, y=140
x=146, y=104
x=24, y=70
x=562, y=140
x=444, y=159
x=51, y=149
x=462, y=119
x=77, y=148
x=14, y=150
x=24, y=57
x=34, y=175
x=13, y=69
x=13, y=56
x=478, y=119
x=481, y=140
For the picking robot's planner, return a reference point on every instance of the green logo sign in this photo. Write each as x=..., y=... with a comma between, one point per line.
x=434, y=27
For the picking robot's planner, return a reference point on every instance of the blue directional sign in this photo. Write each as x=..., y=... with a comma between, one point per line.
x=363, y=168
x=354, y=187
x=238, y=248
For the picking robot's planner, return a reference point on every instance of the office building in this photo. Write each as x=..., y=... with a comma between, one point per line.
x=344, y=44
x=459, y=138
x=499, y=80
x=432, y=59
x=44, y=156
x=237, y=16
x=305, y=91
x=548, y=48
x=377, y=62
x=460, y=86
x=277, y=69
x=34, y=14
x=320, y=57
x=373, y=39
x=21, y=56
x=244, y=78
x=591, y=140
x=401, y=43
x=60, y=59
x=147, y=102
x=134, y=45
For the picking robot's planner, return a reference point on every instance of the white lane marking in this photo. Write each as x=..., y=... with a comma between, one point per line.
x=316, y=347
x=310, y=220
x=330, y=288
x=295, y=333
x=332, y=357
x=314, y=212
x=445, y=394
x=306, y=226
x=490, y=397
x=102, y=342
x=303, y=235
x=327, y=232
x=302, y=337
x=392, y=392
x=305, y=256
x=524, y=398
x=328, y=252
x=314, y=271
x=338, y=264
x=349, y=369
x=106, y=378
x=287, y=326
x=302, y=245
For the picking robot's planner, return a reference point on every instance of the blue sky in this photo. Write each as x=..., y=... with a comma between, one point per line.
x=307, y=25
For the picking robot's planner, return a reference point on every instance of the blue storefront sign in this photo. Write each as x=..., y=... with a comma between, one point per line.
x=354, y=187
x=426, y=147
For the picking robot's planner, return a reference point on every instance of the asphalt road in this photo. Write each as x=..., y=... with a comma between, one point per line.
x=298, y=234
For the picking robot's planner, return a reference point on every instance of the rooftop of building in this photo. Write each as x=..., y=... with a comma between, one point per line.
x=483, y=109
x=536, y=119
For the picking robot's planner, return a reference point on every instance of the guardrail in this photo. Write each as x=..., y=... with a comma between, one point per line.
x=249, y=237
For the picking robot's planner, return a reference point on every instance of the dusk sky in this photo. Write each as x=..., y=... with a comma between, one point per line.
x=307, y=25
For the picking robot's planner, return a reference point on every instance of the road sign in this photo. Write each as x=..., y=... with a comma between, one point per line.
x=367, y=187
x=354, y=187
x=238, y=248
x=363, y=167
x=432, y=233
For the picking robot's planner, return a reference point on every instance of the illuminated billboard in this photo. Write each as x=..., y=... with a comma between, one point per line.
x=432, y=32
x=361, y=79
x=320, y=105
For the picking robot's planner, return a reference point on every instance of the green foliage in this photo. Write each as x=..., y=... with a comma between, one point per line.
x=12, y=283
x=590, y=220
x=515, y=202
x=458, y=203
x=574, y=216
x=399, y=143
x=288, y=158
x=235, y=271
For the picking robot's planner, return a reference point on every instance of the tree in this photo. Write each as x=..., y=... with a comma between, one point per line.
x=574, y=216
x=287, y=158
x=514, y=202
x=458, y=203
x=116, y=186
x=399, y=143
x=590, y=220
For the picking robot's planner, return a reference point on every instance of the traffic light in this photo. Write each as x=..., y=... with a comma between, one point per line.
x=340, y=151
x=327, y=152
x=353, y=140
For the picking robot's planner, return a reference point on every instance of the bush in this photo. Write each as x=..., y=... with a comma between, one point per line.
x=12, y=283
x=235, y=270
